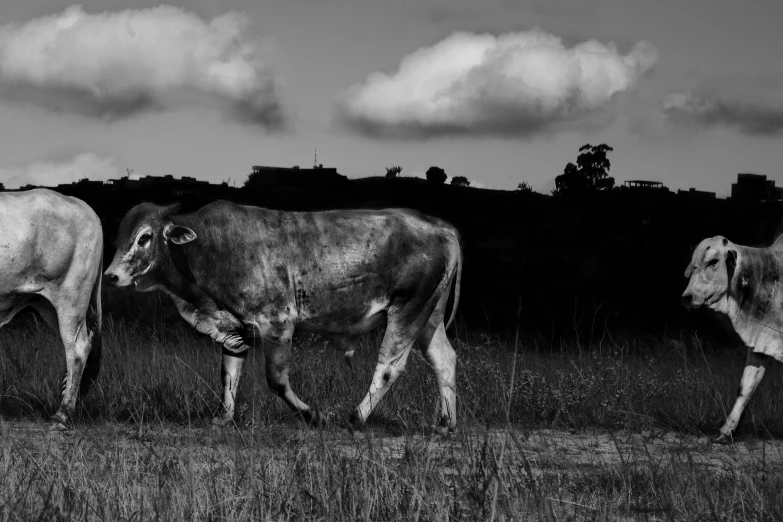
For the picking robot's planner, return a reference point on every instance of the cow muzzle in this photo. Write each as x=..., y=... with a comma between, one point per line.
x=689, y=301
x=115, y=279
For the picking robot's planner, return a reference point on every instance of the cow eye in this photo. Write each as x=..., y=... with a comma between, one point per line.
x=144, y=239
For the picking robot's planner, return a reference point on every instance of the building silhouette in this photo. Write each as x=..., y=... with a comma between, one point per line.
x=755, y=187
x=640, y=184
x=318, y=176
x=696, y=195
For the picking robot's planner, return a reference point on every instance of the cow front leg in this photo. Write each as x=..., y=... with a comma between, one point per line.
x=277, y=359
x=755, y=367
x=231, y=373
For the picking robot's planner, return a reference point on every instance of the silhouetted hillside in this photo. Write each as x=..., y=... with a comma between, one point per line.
x=612, y=259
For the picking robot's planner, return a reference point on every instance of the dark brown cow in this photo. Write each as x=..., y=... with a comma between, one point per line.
x=745, y=284
x=235, y=272
x=51, y=247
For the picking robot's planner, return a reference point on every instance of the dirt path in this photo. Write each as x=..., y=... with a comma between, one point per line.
x=541, y=450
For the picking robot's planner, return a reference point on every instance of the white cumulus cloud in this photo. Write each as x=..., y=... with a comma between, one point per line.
x=53, y=173
x=113, y=65
x=513, y=84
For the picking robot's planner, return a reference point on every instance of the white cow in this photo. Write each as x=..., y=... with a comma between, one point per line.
x=745, y=284
x=51, y=249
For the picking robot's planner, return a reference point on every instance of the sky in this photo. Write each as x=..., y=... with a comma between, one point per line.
x=687, y=92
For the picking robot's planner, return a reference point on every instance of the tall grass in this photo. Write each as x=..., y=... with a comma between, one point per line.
x=173, y=374
x=143, y=449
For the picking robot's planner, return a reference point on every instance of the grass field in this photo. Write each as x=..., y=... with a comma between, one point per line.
x=610, y=431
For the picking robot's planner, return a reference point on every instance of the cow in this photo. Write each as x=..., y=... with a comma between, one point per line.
x=746, y=285
x=239, y=272
x=51, y=256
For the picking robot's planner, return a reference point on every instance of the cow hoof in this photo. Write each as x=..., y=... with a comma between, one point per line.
x=61, y=423
x=723, y=440
x=313, y=418
x=60, y=427
x=440, y=431
x=219, y=423
x=355, y=423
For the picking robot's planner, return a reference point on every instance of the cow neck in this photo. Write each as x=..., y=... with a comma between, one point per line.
x=751, y=303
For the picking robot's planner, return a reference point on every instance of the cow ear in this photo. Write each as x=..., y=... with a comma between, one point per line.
x=178, y=234
x=731, y=262
x=689, y=270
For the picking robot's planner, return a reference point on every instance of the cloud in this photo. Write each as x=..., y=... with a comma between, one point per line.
x=514, y=84
x=751, y=105
x=51, y=173
x=114, y=65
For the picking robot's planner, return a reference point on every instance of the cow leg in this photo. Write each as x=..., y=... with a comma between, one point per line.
x=231, y=373
x=229, y=331
x=47, y=313
x=443, y=361
x=347, y=345
x=77, y=341
x=755, y=367
x=393, y=356
x=277, y=360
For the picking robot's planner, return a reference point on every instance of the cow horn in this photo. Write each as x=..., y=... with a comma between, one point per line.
x=168, y=210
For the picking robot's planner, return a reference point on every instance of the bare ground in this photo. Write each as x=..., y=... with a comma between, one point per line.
x=528, y=453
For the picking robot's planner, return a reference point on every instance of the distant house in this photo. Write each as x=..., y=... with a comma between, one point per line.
x=755, y=187
x=640, y=184
x=318, y=176
x=83, y=183
x=696, y=195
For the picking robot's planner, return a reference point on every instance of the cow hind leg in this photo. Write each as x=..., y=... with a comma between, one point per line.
x=755, y=367
x=443, y=361
x=77, y=341
x=347, y=345
x=277, y=361
x=392, y=358
x=92, y=365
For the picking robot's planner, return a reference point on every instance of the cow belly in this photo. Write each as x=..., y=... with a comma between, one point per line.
x=348, y=320
x=10, y=306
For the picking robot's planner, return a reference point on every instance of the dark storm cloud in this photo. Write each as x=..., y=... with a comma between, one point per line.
x=753, y=105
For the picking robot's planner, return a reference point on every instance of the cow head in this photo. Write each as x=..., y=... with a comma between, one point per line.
x=142, y=242
x=710, y=271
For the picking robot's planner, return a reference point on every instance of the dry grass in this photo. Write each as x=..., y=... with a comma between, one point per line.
x=142, y=449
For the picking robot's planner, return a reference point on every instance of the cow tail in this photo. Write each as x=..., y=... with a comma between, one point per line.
x=93, y=322
x=457, y=280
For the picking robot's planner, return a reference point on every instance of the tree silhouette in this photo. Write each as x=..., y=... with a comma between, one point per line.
x=460, y=181
x=393, y=172
x=590, y=174
x=436, y=175
x=525, y=187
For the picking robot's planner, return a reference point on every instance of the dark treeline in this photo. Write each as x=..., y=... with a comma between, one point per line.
x=584, y=264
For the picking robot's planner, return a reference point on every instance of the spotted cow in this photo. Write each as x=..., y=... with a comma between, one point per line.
x=237, y=272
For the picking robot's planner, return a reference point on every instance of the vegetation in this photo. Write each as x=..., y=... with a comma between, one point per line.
x=436, y=175
x=393, y=172
x=460, y=181
x=590, y=174
x=143, y=448
x=525, y=187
